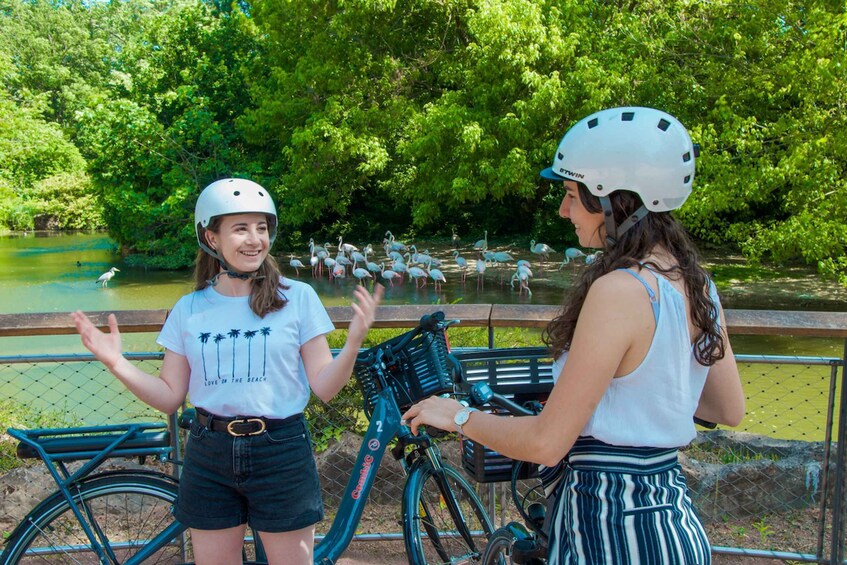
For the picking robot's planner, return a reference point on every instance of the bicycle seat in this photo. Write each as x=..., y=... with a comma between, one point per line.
x=73, y=448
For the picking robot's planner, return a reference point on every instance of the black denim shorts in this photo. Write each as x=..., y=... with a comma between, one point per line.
x=268, y=481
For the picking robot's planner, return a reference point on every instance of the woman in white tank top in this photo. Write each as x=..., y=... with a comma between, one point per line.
x=641, y=346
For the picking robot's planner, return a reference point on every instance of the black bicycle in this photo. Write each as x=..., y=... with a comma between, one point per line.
x=518, y=543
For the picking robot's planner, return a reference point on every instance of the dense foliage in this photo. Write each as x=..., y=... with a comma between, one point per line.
x=421, y=116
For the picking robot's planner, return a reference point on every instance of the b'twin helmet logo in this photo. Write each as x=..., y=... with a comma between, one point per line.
x=566, y=173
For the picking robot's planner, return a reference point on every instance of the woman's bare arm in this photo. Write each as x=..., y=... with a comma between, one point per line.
x=166, y=392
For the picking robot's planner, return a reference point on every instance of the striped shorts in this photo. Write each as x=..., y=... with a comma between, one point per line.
x=624, y=506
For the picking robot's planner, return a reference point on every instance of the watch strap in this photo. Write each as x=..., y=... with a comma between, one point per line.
x=468, y=411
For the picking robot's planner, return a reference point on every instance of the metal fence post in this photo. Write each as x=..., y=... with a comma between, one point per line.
x=839, y=508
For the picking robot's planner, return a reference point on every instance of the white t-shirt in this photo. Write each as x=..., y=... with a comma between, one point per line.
x=241, y=364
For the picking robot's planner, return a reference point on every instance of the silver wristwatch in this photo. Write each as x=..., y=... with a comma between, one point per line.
x=461, y=418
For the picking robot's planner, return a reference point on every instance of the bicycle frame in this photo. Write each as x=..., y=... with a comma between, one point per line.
x=65, y=480
x=384, y=426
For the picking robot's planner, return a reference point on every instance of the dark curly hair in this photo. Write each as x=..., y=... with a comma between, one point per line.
x=655, y=229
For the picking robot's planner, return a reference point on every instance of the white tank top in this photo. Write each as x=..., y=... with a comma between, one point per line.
x=654, y=405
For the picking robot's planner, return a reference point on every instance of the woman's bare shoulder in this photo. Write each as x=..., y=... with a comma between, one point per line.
x=615, y=283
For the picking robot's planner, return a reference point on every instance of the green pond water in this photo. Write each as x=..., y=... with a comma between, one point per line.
x=49, y=272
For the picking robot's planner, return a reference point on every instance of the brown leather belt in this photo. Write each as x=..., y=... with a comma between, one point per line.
x=242, y=426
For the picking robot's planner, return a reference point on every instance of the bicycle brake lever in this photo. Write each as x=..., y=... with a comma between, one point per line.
x=534, y=405
x=424, y=432
x=429, y=322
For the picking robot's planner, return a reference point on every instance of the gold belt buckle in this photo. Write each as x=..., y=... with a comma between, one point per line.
x=261, y=429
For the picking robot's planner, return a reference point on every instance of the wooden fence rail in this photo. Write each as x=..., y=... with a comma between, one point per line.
x=745, y=322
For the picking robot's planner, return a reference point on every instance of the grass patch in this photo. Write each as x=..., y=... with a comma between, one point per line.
x=731, y=274
x=22, y=416
x=459, y=337
x=706, y=452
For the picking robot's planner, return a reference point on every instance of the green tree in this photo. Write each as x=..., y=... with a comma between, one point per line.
x=50, y=57
x=170, y=129
x=41, y=174
x=66, y=201
x=417, y=116
x=435, y=111
x=344, y=79
x=66, y=51
x=31, y=148
x=769, y=109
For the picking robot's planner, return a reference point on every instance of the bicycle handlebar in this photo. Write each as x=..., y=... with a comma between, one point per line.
x=428, y=323
x=481, y=393
x=414, y=365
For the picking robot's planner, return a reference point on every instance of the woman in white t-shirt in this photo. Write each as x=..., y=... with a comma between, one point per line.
x=247, y=346
x=641, y=349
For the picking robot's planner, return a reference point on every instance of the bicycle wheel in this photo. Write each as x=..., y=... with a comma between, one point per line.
x=443, y=519
x=126, y=508
x=499, y=548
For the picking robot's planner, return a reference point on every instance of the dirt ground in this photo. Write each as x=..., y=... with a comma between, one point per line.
x=392, y=553
x=374, y=553
x=793, y=531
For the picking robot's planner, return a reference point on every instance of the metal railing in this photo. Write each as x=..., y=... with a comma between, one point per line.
x=776, y=490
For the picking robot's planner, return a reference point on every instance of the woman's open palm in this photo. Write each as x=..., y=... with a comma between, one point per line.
x=106, y=347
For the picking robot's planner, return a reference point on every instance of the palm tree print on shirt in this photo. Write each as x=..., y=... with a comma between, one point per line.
x=249, y=335
x=233, y=334
x=218, y=339
x=204, y=338
x=265, y=333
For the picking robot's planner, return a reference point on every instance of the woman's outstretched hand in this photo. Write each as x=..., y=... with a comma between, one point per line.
x=364, y=312
x=434, y=411
x=106, y=347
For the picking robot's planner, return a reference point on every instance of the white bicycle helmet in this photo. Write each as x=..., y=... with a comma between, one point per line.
x=642, y=150
x=232, y=196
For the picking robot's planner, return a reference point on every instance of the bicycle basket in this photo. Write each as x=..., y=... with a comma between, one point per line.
x=418, y=370
x=520, y=374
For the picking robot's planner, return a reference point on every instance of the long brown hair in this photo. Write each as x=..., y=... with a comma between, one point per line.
x=265, y=294
x=655, y=229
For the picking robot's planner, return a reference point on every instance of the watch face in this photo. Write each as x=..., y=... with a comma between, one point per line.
x=462, y=416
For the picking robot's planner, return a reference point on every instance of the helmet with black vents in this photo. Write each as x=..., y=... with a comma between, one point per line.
x=642, y=150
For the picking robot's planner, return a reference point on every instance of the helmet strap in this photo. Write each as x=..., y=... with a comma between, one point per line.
x=233, y=274
x=614, y=232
